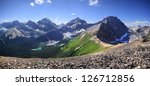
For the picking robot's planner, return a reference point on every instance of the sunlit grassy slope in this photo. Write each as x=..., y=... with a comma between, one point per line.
x=80, y=45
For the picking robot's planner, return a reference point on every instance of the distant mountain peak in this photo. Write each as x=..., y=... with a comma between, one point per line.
x=32, y=24
x=16, y=23
x=46, y=20
x=77, y=20
x=46, y=24
x=30, y=21
x=76, y=23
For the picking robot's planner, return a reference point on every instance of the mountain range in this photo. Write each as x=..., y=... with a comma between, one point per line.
x=77, y=37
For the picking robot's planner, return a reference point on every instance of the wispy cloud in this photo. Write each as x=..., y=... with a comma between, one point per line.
x=32, y=4
x=138, y=22
x=94, y=2
x=40, y=2
x=73, y=14
x=49, y=1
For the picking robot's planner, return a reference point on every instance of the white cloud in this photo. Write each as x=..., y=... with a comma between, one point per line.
x=49, y=1
x=136, y=23
x=32, y=4
x=73, y=14
x=39, y=1
x=93, y=2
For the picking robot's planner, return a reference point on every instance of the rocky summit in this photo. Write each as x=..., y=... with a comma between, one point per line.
x=75, y=25
x=113, y=31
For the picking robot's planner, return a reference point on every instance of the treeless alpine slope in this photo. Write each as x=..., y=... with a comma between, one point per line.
x=135, y=55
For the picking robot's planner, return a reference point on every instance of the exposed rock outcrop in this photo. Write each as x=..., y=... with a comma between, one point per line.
x=113, y=31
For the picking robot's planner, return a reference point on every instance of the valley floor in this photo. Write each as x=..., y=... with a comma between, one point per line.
x=135, y=55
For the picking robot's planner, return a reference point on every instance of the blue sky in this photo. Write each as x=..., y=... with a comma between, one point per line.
x=135, y=11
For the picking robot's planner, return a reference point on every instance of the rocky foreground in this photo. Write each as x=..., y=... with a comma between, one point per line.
x=135, y=55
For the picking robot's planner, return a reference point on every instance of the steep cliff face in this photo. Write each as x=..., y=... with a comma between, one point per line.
x=113, y=31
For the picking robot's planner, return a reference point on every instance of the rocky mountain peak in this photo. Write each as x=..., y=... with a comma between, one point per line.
x=46, y=24
x=111, y=20
x=30, y=21
x=77, y=21
x=32, y=24
x=16, y=22
x=113, y=31
x=75, y=24
x=46, y=21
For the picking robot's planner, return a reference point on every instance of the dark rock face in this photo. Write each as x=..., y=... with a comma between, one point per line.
x=113, y=31
x=55, y=35
x=32, y=24
x=16, y=23
x=46, y=25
